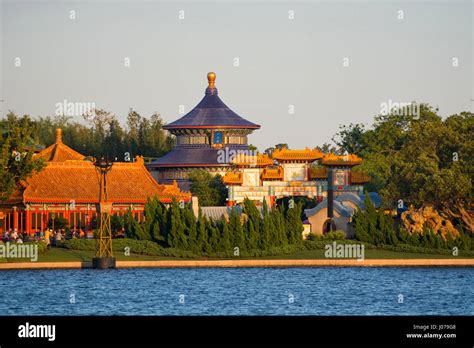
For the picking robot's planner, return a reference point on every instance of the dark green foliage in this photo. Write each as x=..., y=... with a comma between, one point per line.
x=237, y=236
x=59, y=223
x=117, y=222
x=374, y=226
x=266, y=229
x=103, y=134
x=18, y=138
x=423, y=159
x=333, y=235
x=252, y=233
x=224, y=239
x=177, y=237
x=294, y=225
x=203, y=235
x=210, y=189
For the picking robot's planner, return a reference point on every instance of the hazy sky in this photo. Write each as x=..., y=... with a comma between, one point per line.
x=282, y=61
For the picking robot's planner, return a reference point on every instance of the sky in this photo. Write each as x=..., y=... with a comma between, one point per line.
x=300, y=69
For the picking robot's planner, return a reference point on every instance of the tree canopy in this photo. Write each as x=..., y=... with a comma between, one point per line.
x=17, y=143
x=419, y=159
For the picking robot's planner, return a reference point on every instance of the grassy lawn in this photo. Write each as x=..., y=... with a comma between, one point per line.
x=60, y=254
x=64, y=255
x=369, y=254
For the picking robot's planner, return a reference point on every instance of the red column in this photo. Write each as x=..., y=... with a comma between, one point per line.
x=67, y=215
x=272, y=202
x=44, y=220
x=15, y=218
x=89, y=218
x=28, y=221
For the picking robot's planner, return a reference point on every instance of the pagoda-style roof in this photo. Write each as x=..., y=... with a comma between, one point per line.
x=272, y=173
x=192, y=156
x=232, y=178
x=344, y=160
x=127, y=182
x=259, y=160
x=297, y=155
x=58, y=152
x=67, y=178
x=211, y=112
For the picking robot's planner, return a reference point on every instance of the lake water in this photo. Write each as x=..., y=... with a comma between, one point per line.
x=239, y=291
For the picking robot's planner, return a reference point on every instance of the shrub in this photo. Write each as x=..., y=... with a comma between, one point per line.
x=333, y=235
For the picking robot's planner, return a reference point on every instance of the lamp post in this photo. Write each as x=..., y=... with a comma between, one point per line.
x=104, y=256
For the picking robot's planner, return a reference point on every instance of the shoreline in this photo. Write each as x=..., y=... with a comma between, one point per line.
x=247, y=263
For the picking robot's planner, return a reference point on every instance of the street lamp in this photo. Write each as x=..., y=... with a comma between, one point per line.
x=104, y=256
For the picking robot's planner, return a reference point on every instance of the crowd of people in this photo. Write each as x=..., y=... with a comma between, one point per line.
x=49, y=236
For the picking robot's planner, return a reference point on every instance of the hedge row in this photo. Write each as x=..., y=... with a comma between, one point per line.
x=145, y=247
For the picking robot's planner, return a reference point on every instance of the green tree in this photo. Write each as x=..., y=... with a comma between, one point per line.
x=419, y=158
x=203, y=234
x=177, y=237
x=17, y=144
x=266, y=228
x=237, y=236
x=210, y=190
x=294, y=225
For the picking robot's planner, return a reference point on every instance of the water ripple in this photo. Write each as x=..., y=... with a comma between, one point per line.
x=239, y=291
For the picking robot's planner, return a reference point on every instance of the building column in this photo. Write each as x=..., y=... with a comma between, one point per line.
x=15, y=218
x=89, y=218
x=67, y=214
x=28, y=220
x=44, y=219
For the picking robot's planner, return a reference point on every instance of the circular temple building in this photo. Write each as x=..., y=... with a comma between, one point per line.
x=206, y=138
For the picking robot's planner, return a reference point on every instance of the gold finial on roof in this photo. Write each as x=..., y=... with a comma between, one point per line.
x=59, y=135
x=211, y=77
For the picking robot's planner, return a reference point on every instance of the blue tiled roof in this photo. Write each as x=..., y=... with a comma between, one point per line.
x=338, y=207
x=211, y=112
x=343, y=209
x=185, y=155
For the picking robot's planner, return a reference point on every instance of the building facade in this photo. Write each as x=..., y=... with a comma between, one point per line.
x=203, y=138
x=290, y=173
x=68, y=187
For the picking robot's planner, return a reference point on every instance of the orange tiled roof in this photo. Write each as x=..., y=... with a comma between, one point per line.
x=58, y=152
x=359, y=178
x=232, y=178
x=318, y=173
x=348, y=160
x=272, y=173
x=68, y=177
x=297, y=155
x=259, y=160
x=62, y=182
